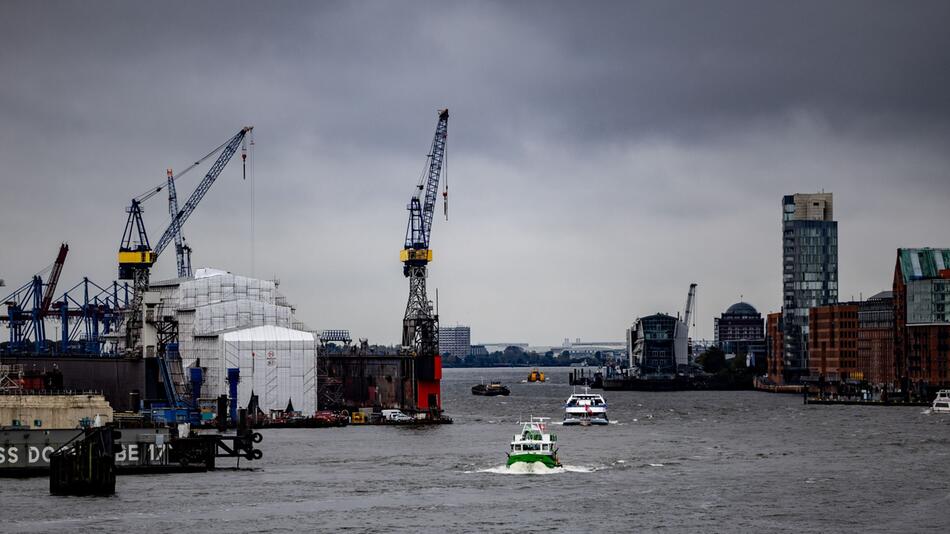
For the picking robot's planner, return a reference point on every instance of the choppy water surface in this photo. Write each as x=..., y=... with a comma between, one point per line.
x=690, y=461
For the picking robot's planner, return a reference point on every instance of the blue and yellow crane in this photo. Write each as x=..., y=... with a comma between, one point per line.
x=136, y=256
x=420, y=330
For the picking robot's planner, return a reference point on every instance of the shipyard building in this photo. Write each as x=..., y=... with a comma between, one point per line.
x=227, y=321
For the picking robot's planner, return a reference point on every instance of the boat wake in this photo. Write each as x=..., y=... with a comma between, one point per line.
x=534, y=468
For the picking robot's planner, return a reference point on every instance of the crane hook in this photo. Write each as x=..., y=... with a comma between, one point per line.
x=244, y=159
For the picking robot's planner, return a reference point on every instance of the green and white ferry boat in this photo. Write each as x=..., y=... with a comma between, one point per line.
x=533, y=445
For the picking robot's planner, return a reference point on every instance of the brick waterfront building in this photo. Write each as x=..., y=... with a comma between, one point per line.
x=833, y=343
x=876, y=338
x=922, y=318
x=775, y=343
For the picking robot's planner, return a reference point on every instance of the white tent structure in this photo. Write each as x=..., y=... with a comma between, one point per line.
x=279, y=364
x=231, y=321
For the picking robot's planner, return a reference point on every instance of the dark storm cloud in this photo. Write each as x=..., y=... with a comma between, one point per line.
x=586, y=72
x=611, y=127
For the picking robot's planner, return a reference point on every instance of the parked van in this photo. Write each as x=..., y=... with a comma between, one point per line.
x=395, y=415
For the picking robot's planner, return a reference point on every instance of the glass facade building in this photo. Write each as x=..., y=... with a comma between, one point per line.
x=809, y=271
x=922, y=317
x=652, y=343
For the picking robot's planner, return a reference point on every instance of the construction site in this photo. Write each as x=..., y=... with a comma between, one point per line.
x=168, y=351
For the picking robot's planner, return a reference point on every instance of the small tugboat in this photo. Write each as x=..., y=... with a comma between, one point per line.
x=942, y=402
x=533, y=445
x=585, y=409
x=491, y=390
x=536, y=375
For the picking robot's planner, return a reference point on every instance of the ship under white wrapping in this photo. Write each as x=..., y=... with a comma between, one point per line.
x=227, y=321
x=279, y=364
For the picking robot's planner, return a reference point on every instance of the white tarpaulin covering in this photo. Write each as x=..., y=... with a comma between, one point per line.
x=225, y=288
x=241, y=313
x=227, y=320
x=279, y=364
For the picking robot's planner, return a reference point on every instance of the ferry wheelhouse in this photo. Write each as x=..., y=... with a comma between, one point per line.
x=533, y=445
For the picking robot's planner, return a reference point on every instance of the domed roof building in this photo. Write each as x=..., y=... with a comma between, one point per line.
x=740, y=322
x=742, y=308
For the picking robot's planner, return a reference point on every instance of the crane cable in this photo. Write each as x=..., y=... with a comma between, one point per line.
x=445, y=177
x=253, y=210
x=152, y=192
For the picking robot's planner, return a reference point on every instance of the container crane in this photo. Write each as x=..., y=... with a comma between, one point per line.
x=53, y=279
x=26, y=320
x=136, y=256
x=420, y=331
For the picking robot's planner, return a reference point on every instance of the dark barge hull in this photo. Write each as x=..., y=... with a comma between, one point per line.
x=26, y=452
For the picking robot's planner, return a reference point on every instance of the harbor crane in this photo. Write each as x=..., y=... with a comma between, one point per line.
x=25, y=320
x=420, y=330
x=690, y=298
x=182, y=250
x=136, y=256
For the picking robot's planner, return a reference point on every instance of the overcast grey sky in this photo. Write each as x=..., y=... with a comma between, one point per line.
x=601, y=155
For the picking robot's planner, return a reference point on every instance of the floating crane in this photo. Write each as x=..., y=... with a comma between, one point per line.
x=136, y=256
x=420, y=330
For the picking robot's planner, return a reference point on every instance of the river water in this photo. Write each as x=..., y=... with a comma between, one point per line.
x=683, y=461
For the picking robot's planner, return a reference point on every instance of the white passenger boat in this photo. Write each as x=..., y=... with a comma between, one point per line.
x=585, y=409
x=942, y=402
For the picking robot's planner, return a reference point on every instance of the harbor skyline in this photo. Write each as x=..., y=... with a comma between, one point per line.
x=599, y=160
